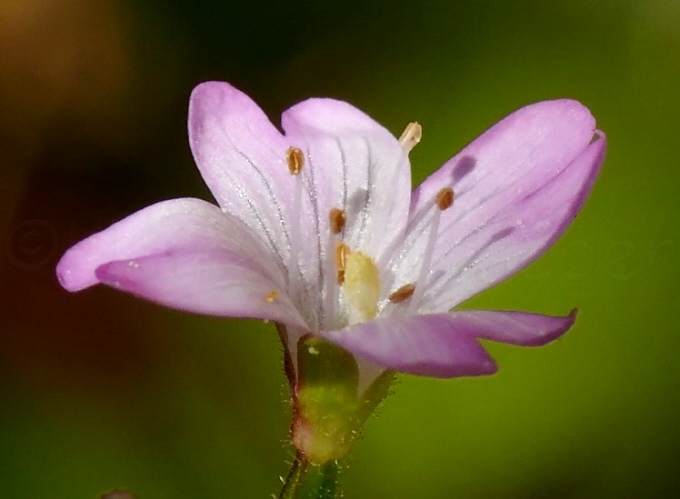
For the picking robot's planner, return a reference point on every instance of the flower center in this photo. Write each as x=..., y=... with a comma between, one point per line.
x=361, y=287
x=352, y=286
x=356, y=274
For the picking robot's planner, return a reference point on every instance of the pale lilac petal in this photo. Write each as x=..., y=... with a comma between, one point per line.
x=445, y=345
x=354, y=164
x=210, y=282
x=531, y=144
x=517, y=188
x=178, y=225
x=427, y=345
x=515, y=328
x=515, y=236
x=242, y=158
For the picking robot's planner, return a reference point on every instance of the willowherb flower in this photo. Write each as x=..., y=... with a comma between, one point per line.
x=317, y=230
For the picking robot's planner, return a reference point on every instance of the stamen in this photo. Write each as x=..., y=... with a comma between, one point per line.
x=411, y=136
x=295, y=160
x=442, y=201
x=271, y=296
x=337, y=219
x=341, y=252
x=336, y=222
x=403, y=293
x=408, y=140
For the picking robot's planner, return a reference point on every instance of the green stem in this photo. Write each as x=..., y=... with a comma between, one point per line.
x=309, y=481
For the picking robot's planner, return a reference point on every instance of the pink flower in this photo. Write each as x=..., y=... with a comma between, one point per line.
x=317, y=229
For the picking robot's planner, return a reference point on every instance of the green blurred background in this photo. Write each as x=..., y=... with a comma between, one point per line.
x=100, y=390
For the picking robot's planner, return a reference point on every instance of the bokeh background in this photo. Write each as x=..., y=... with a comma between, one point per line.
x=100, y=390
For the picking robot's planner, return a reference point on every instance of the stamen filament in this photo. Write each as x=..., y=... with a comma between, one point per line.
x=341, y=252
x=336, y=222
x=295, y=160
x=443, y=200
x=409, y=138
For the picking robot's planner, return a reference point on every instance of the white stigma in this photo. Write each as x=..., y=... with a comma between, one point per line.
x=361, y=287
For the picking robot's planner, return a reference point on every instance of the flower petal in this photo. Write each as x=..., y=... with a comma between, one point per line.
x=242, y=158
x=355, y=164
x=427, y=345
x=169, y=226
x=517, y=188
x=515, y=328
x=515, y=236
x=445, y=345
x=205, y=282
x=187, y=254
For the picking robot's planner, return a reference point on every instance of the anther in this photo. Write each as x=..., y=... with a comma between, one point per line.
x=411, y=136
x=295, y=160
x=335, y=263
x=444, y=198
x=336, y=218
x=403, y=293
x=341, y=252
x=271, y=297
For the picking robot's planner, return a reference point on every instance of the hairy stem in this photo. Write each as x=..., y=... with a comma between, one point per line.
x=310, y=481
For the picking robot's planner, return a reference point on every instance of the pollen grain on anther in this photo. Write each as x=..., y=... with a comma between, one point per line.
x=295, y=160
x=336, y=218
x=403, y=293
x=271, y=296
x=444, y=198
